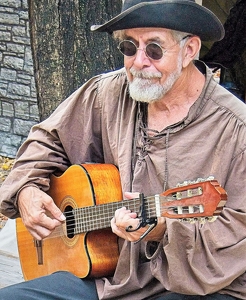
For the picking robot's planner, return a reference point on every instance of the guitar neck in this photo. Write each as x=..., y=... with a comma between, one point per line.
x=204, y=199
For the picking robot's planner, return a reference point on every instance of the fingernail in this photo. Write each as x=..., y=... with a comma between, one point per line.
x=62, y=217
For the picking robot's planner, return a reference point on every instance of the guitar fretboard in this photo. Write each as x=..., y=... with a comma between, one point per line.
x=98, y=217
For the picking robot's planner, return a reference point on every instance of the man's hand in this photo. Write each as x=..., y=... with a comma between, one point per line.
x=39, y=212
x=124, y=218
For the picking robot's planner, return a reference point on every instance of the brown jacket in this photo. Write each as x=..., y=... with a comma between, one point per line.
x=100, y=123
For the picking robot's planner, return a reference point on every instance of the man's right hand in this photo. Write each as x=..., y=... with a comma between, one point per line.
x=39, y=212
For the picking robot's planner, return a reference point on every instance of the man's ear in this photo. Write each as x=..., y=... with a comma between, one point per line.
x=191, y=50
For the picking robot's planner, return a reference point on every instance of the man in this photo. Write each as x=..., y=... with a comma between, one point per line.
x=161, y=120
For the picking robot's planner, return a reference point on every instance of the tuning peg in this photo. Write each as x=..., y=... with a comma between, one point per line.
x=201, y=220
x=188, y=182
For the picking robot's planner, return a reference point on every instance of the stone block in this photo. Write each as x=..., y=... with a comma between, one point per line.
x=19, y=31
x=3, y=92
x=15, y=48
x=3, y=88
x=9, y=19
x=22, y=127
x=8, y=150
x=19, y=89
x=21, y=40
x=11, y=3
x=34, y=113
x=5, y=124
x=7, y=109
x=11, y=139
x=8, y=74
x=24, y=4
x=13, y=62
x=5, y=36
x=24, y=15
x=21, y=109
x=2, y=46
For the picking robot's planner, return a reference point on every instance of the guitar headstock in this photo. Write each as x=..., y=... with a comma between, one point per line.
x=199, y=199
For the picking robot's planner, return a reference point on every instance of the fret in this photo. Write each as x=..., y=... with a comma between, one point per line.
x=157, y=205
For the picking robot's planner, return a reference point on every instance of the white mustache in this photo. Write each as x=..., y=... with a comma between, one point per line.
x=145, y=74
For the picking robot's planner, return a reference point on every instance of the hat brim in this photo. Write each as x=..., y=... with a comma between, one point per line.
x=181, y=15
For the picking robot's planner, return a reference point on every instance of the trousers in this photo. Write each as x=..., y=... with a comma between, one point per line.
x=65, y=286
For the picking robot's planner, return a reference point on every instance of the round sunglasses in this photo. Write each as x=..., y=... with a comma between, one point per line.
x=152, y=50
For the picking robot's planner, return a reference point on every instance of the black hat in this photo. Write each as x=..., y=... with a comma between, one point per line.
x=182, y=15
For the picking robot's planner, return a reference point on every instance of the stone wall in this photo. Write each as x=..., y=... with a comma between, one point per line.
x=18, y=101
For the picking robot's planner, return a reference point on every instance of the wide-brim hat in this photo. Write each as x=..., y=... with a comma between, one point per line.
x=182, y=15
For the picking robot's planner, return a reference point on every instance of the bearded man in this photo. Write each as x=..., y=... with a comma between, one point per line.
x=161, y=120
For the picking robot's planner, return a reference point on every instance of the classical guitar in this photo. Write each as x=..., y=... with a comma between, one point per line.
x=88, y=195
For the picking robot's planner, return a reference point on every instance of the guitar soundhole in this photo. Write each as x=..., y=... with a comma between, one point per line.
x=70, y=221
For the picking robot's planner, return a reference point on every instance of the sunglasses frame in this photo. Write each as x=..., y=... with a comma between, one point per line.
x=164, y=50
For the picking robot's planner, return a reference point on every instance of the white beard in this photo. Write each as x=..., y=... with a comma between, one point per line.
x=143, y=89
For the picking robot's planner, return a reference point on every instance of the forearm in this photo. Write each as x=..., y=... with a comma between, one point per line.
x=35, y=162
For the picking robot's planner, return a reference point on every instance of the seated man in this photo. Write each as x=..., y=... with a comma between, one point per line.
x=161, y=120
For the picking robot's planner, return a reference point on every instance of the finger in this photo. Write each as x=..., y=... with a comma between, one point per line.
x=40, y=233
x=123, y=216
x=113, y=225
x=115, y=228
x=35, y=234
x=40, y=226
x=129, y=195
x=120, y=212
x=55, y=212
x=48, y=222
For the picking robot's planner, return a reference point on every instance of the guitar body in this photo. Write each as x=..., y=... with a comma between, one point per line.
x=92, y=254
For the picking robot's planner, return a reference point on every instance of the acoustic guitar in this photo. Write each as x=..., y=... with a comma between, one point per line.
x=89, y=194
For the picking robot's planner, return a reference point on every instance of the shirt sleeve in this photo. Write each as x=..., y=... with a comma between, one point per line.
x=205, y=257
x=71, y=135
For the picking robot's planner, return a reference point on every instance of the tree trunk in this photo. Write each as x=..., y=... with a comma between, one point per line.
x=65, y=52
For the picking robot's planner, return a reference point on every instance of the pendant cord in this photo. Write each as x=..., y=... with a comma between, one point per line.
x=166, y=161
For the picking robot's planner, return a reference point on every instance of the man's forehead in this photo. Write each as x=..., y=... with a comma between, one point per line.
x=154, y=33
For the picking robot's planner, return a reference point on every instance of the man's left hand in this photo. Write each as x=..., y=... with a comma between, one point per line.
x=124, y=218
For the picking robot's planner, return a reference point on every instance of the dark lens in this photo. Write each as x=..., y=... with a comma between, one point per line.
x=154, y=51
x=128, y=48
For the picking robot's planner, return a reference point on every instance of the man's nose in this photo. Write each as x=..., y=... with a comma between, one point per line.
x=141, y=58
